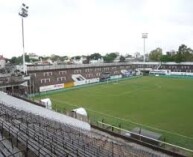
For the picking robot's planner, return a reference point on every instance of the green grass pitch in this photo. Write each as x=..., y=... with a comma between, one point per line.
x=162, y=103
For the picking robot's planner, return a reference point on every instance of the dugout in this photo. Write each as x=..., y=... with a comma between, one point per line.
x=146, y=136
x=46, y=103
x=79, y=113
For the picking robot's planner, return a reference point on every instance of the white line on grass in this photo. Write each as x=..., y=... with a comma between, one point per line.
x=174, y=133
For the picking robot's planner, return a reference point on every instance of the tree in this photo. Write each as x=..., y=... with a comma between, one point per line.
x=13, y=60
x=54, y=57
x=155, y=55
x=165, y=58
x=19, y=60
x=95, y=56
x=122, y=59
x=64, y=58
x=27, y=58
x=168, y=57
x=108, y=58
x=184, y=54
x=87, y=60
x=16, y=60
x=77, y=57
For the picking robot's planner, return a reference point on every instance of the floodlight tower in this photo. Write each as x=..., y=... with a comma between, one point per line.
x=144, y=36
x=23, y=13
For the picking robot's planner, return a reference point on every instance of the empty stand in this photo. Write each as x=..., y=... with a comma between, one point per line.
x=33, y=134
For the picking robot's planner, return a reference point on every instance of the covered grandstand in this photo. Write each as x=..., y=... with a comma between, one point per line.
x=51, y=77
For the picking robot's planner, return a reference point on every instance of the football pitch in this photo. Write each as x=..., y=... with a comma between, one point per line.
x=161, y=104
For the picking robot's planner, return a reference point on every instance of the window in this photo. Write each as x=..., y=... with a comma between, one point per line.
x=106, y=69
x=60, y=79
x=47, y=73
x=89, y=75
x=116, y=72
x=62, y=72
x=77, y=71
x=86, y=70
x=98, y=74
x=97, y=69
x=46, y=80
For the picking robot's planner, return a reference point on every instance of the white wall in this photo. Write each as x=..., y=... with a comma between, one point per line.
x=2, y=63
x=51, y=87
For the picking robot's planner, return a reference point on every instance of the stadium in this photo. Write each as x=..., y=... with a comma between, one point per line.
x=86, y=86
x=106, y=109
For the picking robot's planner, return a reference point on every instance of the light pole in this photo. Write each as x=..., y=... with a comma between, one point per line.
x=144, y=36
x=23, y=13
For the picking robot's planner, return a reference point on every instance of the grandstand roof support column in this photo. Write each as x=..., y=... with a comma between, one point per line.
x=144, y=36
x=23, y=14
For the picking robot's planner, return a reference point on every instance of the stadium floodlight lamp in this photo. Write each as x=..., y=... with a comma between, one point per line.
x=23, y=14
x=24, y=11
x=144, y=36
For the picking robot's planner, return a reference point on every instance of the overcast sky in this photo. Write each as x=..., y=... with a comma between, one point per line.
x=74, y=27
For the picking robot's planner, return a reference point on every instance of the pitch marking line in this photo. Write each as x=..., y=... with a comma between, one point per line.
x=174, y=133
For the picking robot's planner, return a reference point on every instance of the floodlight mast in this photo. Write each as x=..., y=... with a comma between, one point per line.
x=144, y=36
x=23, y=13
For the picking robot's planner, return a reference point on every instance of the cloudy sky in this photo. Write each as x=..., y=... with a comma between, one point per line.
x=74, y=27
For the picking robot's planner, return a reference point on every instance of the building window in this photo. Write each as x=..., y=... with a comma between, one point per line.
x=98, y=74
x=106, y=69
x=60, y=79
x=77, y=71
x=97, y=69
x=89, y=75
x=46, y=80
x=88, y=70
x=62, y=72
x=116, y=72
x=47, y=73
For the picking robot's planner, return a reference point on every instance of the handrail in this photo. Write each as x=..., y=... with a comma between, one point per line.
x=162, y=142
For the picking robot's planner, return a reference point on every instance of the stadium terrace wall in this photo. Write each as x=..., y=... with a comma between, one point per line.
x=51, y=77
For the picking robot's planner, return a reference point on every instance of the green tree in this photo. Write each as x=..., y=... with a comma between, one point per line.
x=184, y=54
x=26, y=58
x=108, y=58
x=77, y=57
x=64, y=58
x=165, y=58
x=19, y=59
x=155, y=55
x=122, y=59
x=54, y=57
x=95, y=56
x=13, y=60
x=168, y=57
